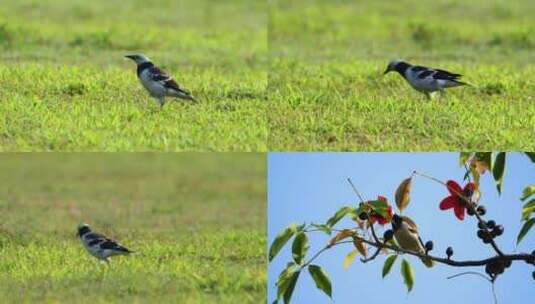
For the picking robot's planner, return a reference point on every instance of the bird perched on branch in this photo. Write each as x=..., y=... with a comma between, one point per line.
x=157, y=82
x=99, y=245
x=423, y=79
x=406, y=235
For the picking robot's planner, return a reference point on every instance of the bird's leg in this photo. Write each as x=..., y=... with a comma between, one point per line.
x=162, y=102
x=428, y=95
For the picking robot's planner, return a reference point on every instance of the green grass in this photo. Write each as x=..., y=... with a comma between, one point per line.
x=327, y=91
x=197, y=221
x=66, y=86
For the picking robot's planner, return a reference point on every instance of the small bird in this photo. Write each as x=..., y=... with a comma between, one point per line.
x=423, y=79
x=99, y=245
x=157, y=82
x=406, y=235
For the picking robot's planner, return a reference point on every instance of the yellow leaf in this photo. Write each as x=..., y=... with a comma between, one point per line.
x=341, y=235
x=403, y=194
x=350, y=257
x=361, y=247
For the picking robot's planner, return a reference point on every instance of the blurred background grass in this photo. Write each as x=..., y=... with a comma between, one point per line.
x=197, y=219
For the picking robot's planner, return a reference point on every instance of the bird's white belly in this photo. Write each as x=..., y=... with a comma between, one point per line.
x=155, y=88
x=427, y=84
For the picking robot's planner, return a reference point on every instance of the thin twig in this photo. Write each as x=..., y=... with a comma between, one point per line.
x=355, y=189
x=470, y=272
x=371, y=258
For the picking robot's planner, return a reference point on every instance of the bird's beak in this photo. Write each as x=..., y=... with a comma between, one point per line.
x=387, y=70
x=129, y=57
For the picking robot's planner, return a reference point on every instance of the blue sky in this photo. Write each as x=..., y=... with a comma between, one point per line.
x=310, y=187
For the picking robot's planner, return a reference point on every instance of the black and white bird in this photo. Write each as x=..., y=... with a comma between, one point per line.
x=406, y=235
x=157, y=82
x=423, y=79
x=99, y=245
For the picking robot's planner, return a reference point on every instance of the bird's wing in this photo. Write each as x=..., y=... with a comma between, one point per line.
x=442, y=74
x=113, y=245
x=93, y=236
x=166, y=80
x=418, y=68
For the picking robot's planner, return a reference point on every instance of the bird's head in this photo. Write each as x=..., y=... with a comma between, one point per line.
x=138, y=58
x=392, y=66
x=83, y=228
x=396, y=222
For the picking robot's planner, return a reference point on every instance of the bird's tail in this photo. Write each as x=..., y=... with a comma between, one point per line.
x=461, y=83
x=427, y=262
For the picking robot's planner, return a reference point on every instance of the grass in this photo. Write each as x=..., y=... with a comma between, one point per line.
x=197, y=221
x=66, y=86
x=327, y=91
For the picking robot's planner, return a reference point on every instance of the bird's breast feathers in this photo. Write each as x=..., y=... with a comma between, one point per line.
x=407, y=238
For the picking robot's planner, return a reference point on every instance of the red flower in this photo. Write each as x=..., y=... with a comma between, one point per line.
x=455, y=201
x=377, y=217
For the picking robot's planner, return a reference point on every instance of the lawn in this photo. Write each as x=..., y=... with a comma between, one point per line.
x=66, y=86
x=327, y=91
x=197, y=222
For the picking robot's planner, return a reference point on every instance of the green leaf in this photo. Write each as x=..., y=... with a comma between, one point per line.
x=531, y=156
x=338, y=216
x=528, y=209
x=321, y=279
x=528, y=191
x=287, y=296
x=300, y=247
x=350, y=257
x=525, y=229
x=281, y=239
x=388, y=264
x=285, y=279
x=380, y=207
x=406, y=273
x=323, y=228
x=497, y=170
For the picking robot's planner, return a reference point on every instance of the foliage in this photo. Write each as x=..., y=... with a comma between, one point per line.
x=366, y=214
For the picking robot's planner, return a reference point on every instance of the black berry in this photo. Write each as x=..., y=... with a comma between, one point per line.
x=481, y=225
x=363, y=216
x=498, y=230
x=470, y=211
x=481, y=210
x=387, y=236
x=428, y=246
x=533, y=275
x=487, y=239
x=491, y=224
x=481, y=234
x=449, y=252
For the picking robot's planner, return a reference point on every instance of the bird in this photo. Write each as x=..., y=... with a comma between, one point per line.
x=424, y=79
x=99, y=245
x=158, y=83
x=406, y=235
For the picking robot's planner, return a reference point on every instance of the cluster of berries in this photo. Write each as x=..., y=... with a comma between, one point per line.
x=489, y=230
x=481, y=210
